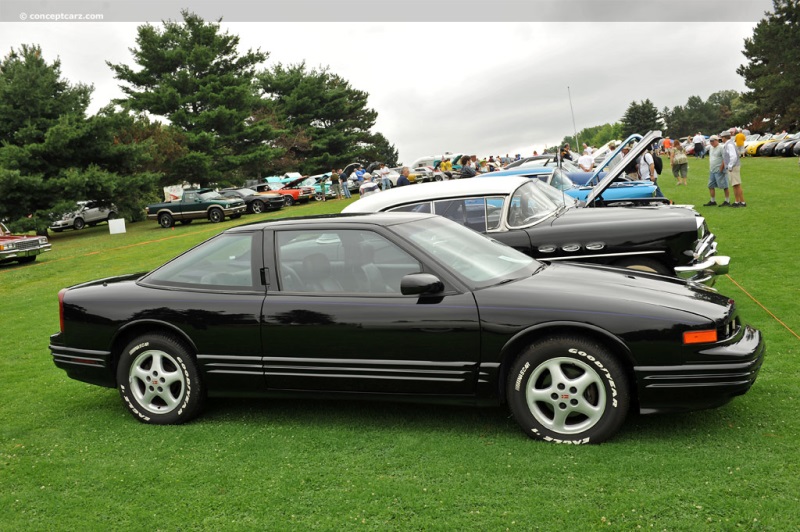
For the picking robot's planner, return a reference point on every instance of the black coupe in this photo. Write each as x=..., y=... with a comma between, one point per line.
x=410, y=306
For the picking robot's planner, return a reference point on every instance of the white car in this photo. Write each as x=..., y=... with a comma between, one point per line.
x=88, y=213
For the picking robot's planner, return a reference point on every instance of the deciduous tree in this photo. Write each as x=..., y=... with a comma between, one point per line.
x=772, y=73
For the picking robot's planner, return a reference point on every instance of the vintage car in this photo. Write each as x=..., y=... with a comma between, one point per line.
x=413, y=307
x=20, y=248
x=671, y=241
x=256, y=203
x=292, y=191
x=195, y=204
x=88, y=213
x=784, y=148
x=607, y=185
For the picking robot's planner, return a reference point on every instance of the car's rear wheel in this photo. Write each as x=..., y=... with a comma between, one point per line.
x=111, y=215
x=568, y=390
x=166, y=220
x=158, y=380
x=78, y=224
x=288, y=200
x=644, y=265
x=257, y=207
x=215, y=216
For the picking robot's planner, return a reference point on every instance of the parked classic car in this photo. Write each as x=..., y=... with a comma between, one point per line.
x=88, y=213
x=515, y=211
x=195, y=204
x=413, y=307
x=292, y=191
x=256, y=203
x=20, y=248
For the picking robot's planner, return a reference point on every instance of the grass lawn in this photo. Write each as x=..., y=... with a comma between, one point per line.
x=72, y=457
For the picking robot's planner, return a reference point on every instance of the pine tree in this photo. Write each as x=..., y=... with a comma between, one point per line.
x=193, y=74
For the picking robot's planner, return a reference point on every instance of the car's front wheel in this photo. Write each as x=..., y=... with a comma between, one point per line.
x=158, y=380
x=257, y=207
x=78, y=224
x=288, y=200
x=568, y=390
x=216, y=216
x=166, y=220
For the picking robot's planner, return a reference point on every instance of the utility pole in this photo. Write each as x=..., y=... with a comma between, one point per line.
x=574, y=129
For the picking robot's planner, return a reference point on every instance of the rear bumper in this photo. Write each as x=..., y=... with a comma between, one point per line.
x=704, y=384
x=83, y=365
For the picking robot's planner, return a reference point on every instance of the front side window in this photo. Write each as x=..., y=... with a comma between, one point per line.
x=222, y=262
x=341, y=261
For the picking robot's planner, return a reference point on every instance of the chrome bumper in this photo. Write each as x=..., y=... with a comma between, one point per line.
x=705, y=272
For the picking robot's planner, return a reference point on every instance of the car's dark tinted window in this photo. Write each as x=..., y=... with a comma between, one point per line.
x=224, y=261
x=341, y=261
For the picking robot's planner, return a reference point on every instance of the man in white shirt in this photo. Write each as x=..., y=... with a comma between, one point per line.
x=585, y=161
x=731, y=165
x=699, y=142
x=368, y=187
x=647, y=167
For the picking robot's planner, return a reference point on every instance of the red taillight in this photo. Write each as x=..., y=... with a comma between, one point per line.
x=61, y=308
x=700, y=337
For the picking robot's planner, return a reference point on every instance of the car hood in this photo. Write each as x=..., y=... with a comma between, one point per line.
x=634, y=218
x=617, y=171
x=590, y=288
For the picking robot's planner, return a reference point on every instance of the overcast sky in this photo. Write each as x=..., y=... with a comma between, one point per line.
x=480, y=87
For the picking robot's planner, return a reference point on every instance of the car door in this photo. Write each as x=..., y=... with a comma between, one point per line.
x=334, y=319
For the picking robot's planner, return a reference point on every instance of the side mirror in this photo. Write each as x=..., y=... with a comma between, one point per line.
x=420, y=283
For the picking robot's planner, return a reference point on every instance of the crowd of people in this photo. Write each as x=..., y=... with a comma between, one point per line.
x=724, y=152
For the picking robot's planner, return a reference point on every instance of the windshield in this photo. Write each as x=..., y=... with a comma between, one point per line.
x=558, y=197
x=529, y=205
x=469, y=255
x=560, y=181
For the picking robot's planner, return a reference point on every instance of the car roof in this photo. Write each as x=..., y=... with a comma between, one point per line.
x=436, y=190
x=330, y=220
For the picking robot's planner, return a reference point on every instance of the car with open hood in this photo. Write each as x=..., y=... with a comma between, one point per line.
x=410, y=307
x=516, y=210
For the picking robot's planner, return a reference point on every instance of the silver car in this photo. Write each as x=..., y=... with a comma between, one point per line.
x=88, y=213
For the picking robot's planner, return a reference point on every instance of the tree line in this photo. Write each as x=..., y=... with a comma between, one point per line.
x=225, y=121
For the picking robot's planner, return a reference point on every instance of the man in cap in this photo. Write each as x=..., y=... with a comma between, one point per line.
x=731, y=164
x=717, y=177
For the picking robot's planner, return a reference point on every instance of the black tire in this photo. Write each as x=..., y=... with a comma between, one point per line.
x=288, y=200
x=78, y=224
x=158, y=380
x=319, y=196
x=26, y=260
x=111, y=215
x=568, y=390
x=186, y=222
x=257, y=207
x=166, y=220
x=645, y=265
x=215, y=216
x=236, y=216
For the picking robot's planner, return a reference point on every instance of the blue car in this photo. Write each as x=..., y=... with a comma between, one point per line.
x=607, y=184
